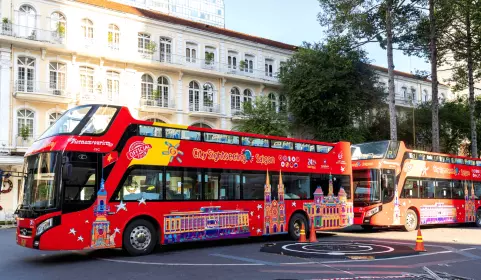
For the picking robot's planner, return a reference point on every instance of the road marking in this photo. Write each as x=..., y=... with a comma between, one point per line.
x=244, y=259
x=183, y=264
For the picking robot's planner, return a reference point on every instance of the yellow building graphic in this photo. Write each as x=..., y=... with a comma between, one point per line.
x=329, y=212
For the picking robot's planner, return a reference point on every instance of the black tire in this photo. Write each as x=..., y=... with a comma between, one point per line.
x=411, y=220
x=478, y=218
x=295, y=226
x=136, y=234
x=367, y=227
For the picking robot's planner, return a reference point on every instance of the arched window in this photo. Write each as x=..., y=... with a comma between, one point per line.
x=27, y=20
x=113, y=37
x=25, y=123
x=235, y=99
x=155, y=120
x=165, y=47
x=282, y=103
x=194, y=96
x=113, y=85
x=57, y=73
x=58, y=24
x=53, y=117
x=200, y=124
x=247, y=96
x=191, y=52
x=147, y=87
x=87, y=30
x=425, y=96
x=163, y=91
x=208, y=95
x=25, y=74
x=272, y=100
x=87, y=79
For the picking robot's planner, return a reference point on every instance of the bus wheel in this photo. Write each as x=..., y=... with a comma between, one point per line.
x=411, y=222
x=295, y=225
x=478, y=218
x=139, y=237
x=367, y=227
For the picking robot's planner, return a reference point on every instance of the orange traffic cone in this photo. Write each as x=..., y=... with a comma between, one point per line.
x=312, y=236
x=419, y=242
x=302, y=238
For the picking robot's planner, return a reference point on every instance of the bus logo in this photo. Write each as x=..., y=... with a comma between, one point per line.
x=138, y=150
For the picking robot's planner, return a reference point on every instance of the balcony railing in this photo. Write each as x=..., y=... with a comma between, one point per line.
x=158, y=102
x=213, y=65
x=97, y=96
x=39, y=87
x=24, y=141
x=32, y=33
x=204, y=108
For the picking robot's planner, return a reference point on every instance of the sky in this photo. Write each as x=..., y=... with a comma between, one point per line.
x=295, y=21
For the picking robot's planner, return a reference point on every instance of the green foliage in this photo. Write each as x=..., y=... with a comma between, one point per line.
x=152, y=46
x=209, y=57
x=330, y=87
x=261, y=118
x=5, y=20
x=24, y=132
x=60, y=29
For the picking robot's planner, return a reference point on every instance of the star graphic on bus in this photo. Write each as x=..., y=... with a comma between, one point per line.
x=174, y=152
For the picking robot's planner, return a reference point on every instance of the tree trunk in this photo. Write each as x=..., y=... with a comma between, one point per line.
x=390, y=72
x=469, y=54
x=434, y=78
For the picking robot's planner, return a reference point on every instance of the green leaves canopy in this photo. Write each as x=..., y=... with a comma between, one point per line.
x=330, y=87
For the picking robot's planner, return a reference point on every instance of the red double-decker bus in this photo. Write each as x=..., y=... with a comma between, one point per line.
x=98, y=178
x=396, y=186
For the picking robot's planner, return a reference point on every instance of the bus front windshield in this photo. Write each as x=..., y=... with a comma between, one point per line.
x=40, y=187
x=373, y=150
x=74, y=121
x=367, y=185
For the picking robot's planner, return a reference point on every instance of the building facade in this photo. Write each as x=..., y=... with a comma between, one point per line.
x=56, y=54
x=210, y=12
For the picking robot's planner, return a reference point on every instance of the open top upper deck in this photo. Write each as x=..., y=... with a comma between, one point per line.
x=106, y=128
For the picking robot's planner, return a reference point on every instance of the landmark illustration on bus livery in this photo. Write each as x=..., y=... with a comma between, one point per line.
x=207, y=224
x=330, y=211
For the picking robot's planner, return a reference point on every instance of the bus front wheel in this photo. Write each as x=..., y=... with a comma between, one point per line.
x=139, y=238
x=367, y=227
x=411, y=222
x=295, y=225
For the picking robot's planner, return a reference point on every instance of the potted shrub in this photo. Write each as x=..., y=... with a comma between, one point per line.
x=60, y=30
x=24, y=132
x=209, y=58
x=243, y=65
x=152, y=46
x=6, y=26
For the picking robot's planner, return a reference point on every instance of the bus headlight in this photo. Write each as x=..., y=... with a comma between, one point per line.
x=42, y=227
x=372, y=211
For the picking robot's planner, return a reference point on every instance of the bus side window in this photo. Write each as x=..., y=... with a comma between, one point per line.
x=443, y=189
x=410, y=189
x=458, y=189
x=477, y=190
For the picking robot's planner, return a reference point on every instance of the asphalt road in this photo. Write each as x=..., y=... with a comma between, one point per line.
x=242, y=259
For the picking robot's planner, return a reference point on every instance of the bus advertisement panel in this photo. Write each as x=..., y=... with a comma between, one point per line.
x=395, y=186
x=100, y=179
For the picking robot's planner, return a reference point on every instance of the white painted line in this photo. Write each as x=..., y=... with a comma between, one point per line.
x=183, y=264
x=385, y=259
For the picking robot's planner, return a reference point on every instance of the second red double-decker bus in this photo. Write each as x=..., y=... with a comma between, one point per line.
x=98, y=178
x=395, y=186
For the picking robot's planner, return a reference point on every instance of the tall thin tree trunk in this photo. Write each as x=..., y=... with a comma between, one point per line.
x=469, y=53
x=390, y=72
x=434, y=78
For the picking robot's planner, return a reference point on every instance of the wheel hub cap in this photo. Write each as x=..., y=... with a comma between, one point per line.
x=140, y=237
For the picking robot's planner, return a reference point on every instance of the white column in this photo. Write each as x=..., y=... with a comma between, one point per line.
x=5, y=85
x=130, y=91
x=179, y=99
x=223, y=103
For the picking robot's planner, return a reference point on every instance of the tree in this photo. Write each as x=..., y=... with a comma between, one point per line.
x=262, y=118
x=428, y=40
x=384, y=21
x=330, y=88
x=465, y=47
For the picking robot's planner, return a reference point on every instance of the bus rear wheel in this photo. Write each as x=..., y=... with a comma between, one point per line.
x=139, y=238
x=411, y=222
x=295, y=225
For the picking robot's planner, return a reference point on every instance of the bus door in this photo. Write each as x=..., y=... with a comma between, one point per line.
x=388, y=185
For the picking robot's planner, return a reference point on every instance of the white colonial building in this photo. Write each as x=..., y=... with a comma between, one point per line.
x=56, y=54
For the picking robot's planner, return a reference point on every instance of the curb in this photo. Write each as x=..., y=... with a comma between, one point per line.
x=8, y=226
